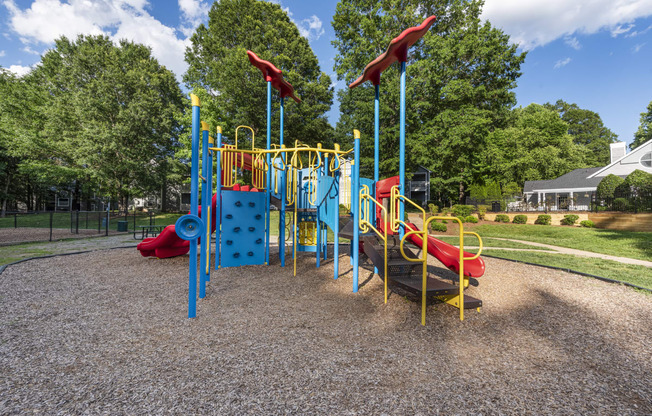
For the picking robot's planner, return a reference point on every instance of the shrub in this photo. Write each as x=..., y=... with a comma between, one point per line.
x=543, y=219
x=482, y=211
x=570, y=219
x=587, y=224
x=520, y=219
x=608, y=185
x=433, y=209
x=620, y=204
x=437, y=226
x=502, y=218
x=471, y=219
x=462, y=211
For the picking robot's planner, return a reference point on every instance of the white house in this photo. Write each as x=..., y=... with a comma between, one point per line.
x=575, y=189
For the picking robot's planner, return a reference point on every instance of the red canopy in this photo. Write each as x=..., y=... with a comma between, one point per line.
x=397, y=51
x=274, y=75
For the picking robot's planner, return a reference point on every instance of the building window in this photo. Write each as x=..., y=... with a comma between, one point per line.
x=646, y=160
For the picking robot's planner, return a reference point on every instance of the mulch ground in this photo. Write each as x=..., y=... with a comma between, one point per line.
x=9, y=236
x=107, y=333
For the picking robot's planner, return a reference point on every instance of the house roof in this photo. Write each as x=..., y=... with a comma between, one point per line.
x=579, y=178
x=640, y=148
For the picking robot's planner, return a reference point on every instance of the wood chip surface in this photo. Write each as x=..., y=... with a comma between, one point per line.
x=107, y=333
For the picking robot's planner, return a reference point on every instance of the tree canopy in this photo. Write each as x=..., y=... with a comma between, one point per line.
x=233, y=92
x=109, y=114
x=586, y=129
x=459, y=82
x=644, y=132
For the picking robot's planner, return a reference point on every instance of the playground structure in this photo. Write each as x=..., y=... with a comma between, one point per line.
x=311, y=183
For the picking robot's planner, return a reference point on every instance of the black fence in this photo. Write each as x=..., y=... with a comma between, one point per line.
x=636, y=202
x=54, y=224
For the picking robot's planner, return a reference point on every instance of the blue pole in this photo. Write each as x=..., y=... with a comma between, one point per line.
x=218, y=203
x=281, y=177
x=376, y=151
x=269, y=171
x=194, y=176
x=204, y=210
x=336, y=231
x=401, y=169
x=355, y=200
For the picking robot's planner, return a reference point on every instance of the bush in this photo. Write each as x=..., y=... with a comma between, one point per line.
x=462, y=211
x=570, y=219
x=608, y=185
x=587, y=224
x=520, y=219
x=482, y=211
x=543, y=219
x=433, y=209
x=471, y=219
x=620, y=204
x=502, y=218
x=437, y=226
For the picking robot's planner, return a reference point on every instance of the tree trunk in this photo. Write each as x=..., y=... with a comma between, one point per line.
x=5, y=197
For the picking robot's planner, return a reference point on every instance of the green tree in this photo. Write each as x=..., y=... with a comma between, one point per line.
x=608, y=185
x=635, y=183
x=644, y=132
x=233, y=91
x=587, y=130
x=459, y=82
x=536, y=146
x=111, y=114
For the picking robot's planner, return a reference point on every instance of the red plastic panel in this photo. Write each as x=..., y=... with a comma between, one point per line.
x=273, y=74
x=397, y=51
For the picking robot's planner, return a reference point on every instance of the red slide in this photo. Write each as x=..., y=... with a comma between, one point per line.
x=449, y=254
x=168, y=243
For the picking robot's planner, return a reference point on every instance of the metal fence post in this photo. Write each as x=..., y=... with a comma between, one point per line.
x=106, y=228
x=15, y=220
x=77, y=222
x=99, y=222
x=51, y=218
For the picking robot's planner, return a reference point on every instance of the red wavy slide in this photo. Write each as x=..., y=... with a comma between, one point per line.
x=448, y=254
x=168, y=243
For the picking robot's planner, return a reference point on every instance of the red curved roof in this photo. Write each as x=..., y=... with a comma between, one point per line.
x=397, y=51
x=274, y=75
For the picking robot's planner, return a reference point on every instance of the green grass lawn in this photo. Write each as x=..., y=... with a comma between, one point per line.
x=488, y=242
x=638, y=275
x=636, y=245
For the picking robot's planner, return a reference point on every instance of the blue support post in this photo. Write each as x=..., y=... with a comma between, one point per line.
x=194, y=210
x=401, y=169
x=218, y=202
x=355, y=201
x=281, y=219
x=203, y=259
x=269, y=171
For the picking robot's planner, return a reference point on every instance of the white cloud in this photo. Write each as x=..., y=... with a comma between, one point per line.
x=573, y=43
x=193, y=9
x=638, y=47
x=638, y=32
x=2, y=53
x=19, y=70
x=46, y=20
x=562, y=62
x=310, y=28
x=30, y=50
x=535, y=23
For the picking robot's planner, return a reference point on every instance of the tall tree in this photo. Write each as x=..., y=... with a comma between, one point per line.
x=535, y=146
x=644, y=132
x=111, y=113
x=587, y=130
x=460, y=77
x=234, y=93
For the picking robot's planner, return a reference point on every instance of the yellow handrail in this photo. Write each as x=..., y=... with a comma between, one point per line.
x=253, y=139
x=365, y=225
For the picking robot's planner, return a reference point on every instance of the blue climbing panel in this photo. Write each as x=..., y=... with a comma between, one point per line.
x=243, y=228
x=329, y=201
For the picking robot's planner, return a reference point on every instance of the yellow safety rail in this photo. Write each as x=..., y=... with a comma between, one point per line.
x=365, y=225
x=454, y=300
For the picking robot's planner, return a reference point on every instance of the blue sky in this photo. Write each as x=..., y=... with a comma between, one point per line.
x=596, y=53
